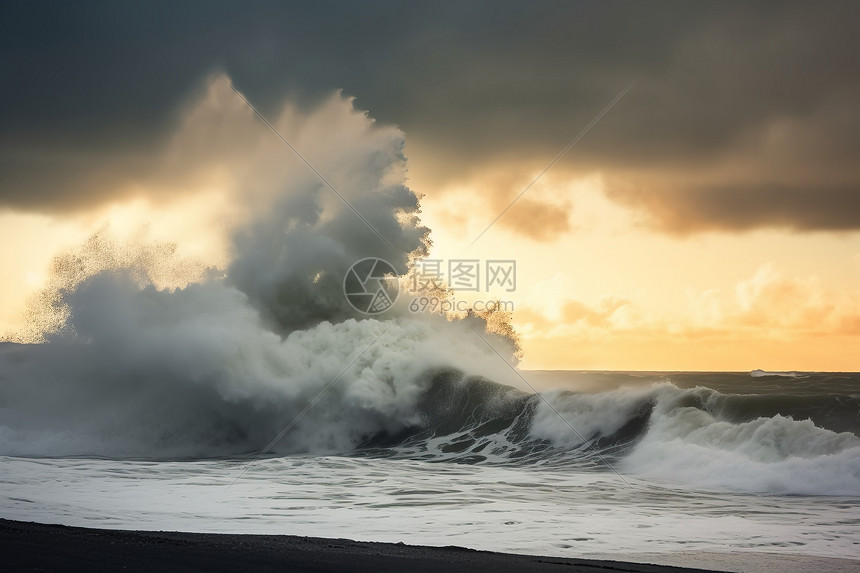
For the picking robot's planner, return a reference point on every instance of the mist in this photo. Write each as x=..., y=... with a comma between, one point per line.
x=143, y=353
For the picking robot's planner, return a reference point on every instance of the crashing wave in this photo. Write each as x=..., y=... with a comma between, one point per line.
x=132, y=368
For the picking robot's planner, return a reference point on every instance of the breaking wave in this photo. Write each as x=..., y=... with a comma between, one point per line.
x=693, y=435
x=132, y=364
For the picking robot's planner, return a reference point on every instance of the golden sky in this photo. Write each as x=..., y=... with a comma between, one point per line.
x=613, y=293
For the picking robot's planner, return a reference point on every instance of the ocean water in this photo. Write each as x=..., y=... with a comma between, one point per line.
x=675, y=468
x=144, y=387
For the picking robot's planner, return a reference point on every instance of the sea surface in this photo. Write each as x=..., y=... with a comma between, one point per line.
x=735, y=471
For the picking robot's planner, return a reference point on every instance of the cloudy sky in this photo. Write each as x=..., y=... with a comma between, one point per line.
x=710, y=220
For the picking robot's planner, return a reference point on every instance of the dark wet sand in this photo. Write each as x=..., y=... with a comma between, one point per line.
x=38, y=547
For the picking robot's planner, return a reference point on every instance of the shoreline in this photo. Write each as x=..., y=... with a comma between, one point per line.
x=36, y=546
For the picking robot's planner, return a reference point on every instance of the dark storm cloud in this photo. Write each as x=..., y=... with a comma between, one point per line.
x=741, y=207
x=752, y=106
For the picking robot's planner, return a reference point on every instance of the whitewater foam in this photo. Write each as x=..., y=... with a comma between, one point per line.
x=768, y=454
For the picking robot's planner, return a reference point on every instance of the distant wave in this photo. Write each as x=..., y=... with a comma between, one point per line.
x=762, y=373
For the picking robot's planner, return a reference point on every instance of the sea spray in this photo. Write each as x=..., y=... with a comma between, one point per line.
x=143, y=354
